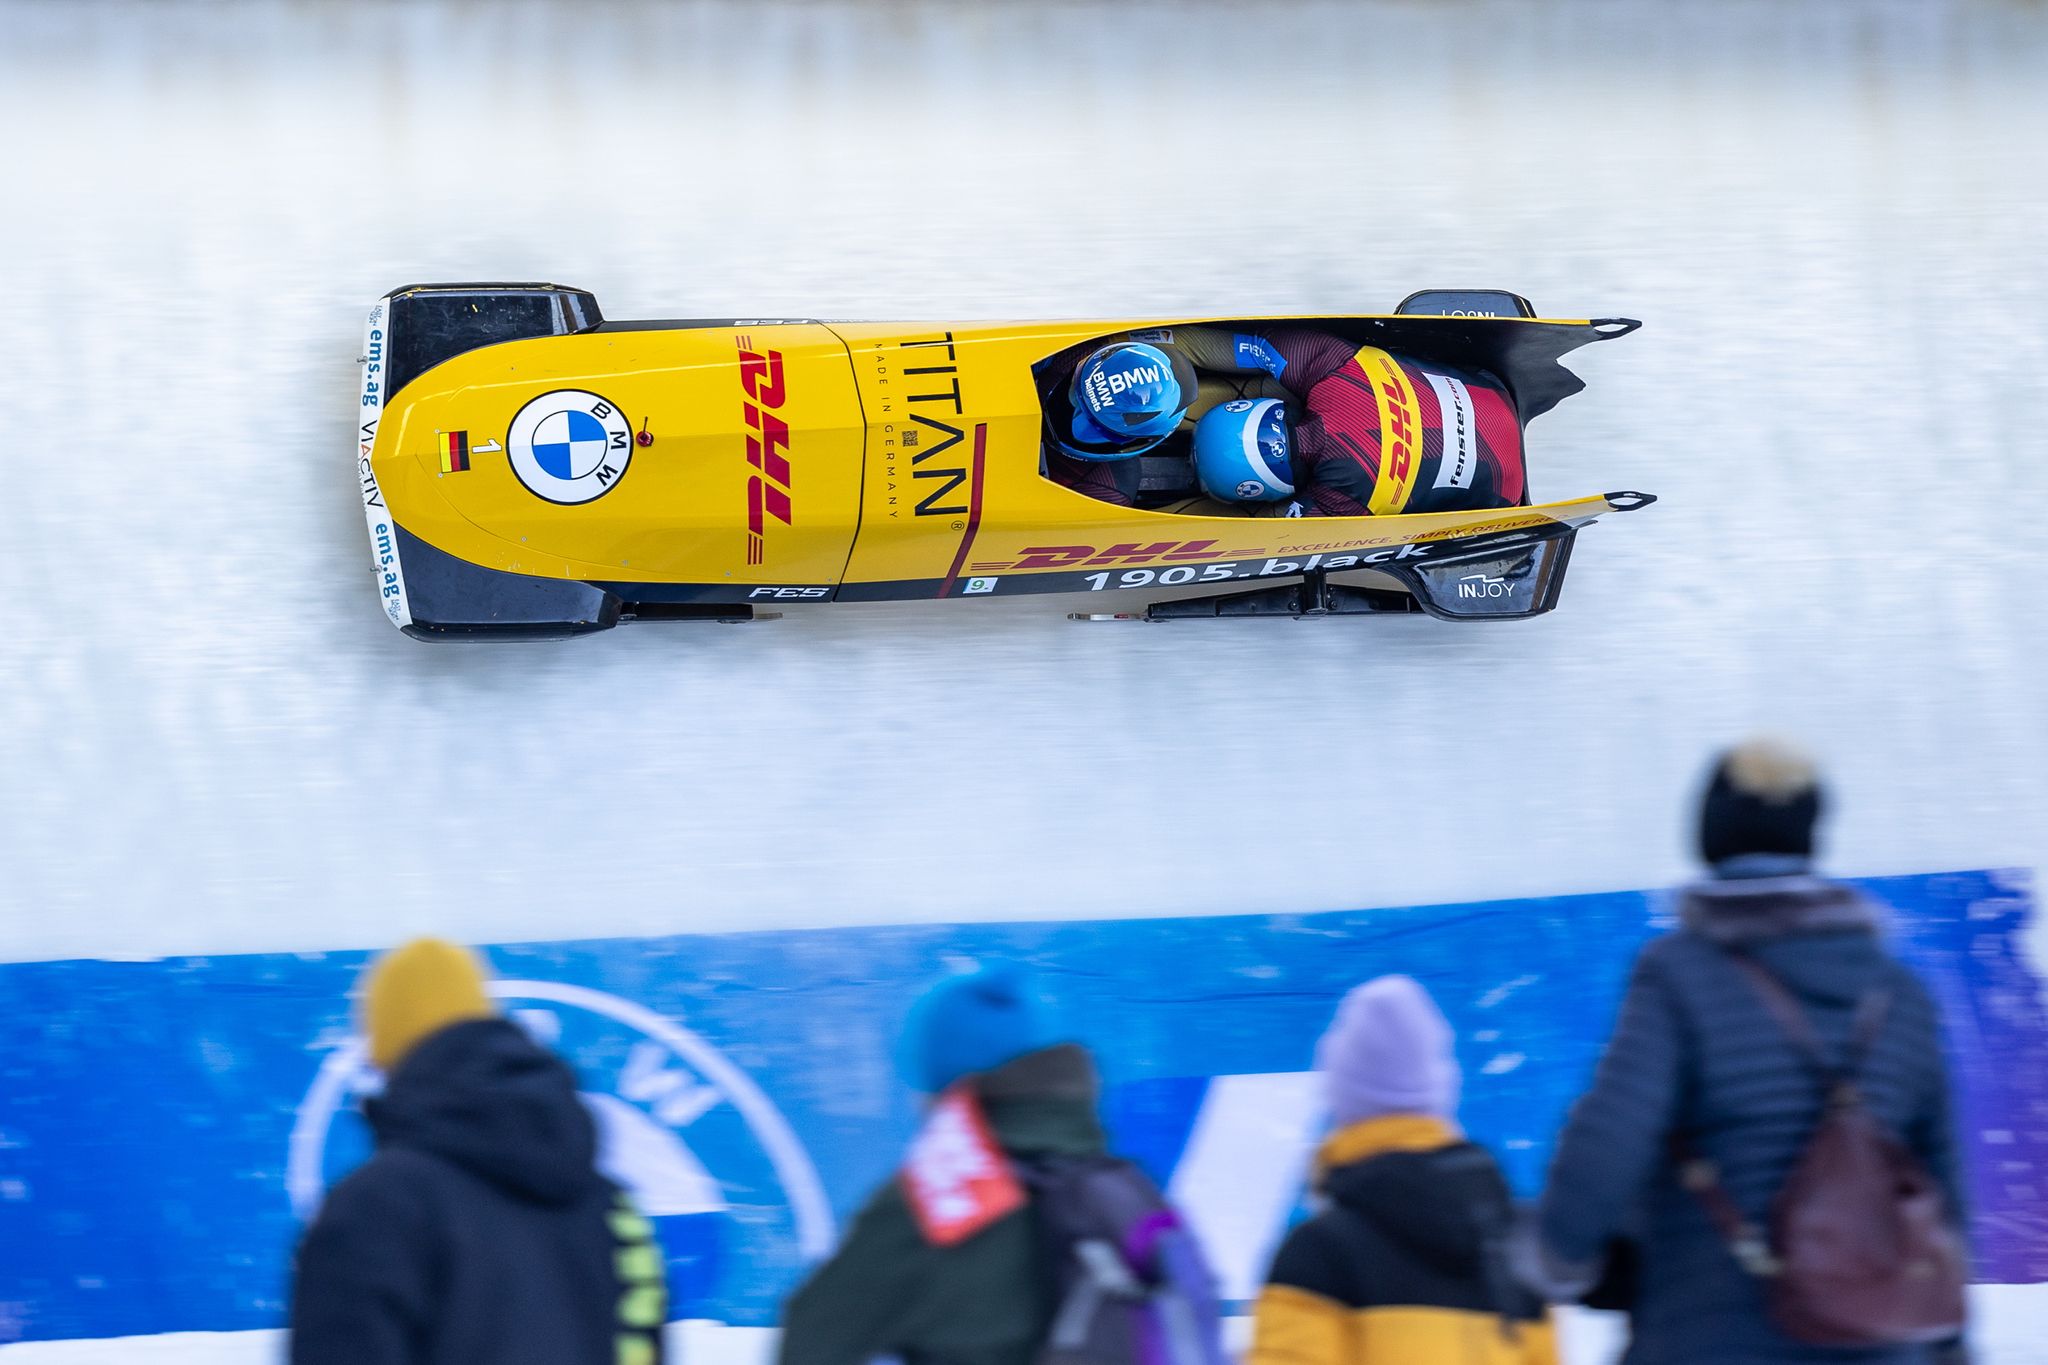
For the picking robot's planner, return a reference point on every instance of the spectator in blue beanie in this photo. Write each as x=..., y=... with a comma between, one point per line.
x=972, y=1023
x=972, y=1290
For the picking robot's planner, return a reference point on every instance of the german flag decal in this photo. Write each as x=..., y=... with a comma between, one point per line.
x=454, y=452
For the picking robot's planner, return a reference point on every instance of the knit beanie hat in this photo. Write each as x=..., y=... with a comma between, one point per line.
x=973, y=1023
x=417, y=990
x=1765, y=797
x=1389, y=1051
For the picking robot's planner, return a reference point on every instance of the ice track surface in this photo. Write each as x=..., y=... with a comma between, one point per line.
x=210, y=740
x=213, y=741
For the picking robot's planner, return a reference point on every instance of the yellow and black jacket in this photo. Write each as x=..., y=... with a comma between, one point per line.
x=1405, y=1264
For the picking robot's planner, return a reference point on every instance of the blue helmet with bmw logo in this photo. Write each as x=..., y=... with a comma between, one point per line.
x=1124, y=399
x=1243, y=450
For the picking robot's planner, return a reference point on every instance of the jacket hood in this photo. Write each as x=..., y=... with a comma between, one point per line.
x=1818, y=937
x=1441, y=1207
x=488, y=1098
x=1044, y=1102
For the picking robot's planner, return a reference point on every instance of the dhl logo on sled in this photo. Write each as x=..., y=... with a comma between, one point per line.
x=529, y=469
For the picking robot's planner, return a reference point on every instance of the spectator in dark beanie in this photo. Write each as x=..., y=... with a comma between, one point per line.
x=480, y=1233
x=1698, y=1062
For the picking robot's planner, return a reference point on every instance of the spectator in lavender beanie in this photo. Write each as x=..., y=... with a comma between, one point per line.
x=1406, y=1260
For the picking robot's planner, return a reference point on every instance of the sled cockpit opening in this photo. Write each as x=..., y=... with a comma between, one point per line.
x=1290, y=417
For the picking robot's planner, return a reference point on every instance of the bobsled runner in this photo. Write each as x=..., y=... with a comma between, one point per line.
x=529, y=469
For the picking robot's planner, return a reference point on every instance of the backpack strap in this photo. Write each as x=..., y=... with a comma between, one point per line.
x=1838, y=1081
x=1746, y=1241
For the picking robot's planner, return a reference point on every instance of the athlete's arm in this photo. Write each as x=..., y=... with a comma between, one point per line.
x=1296, y=357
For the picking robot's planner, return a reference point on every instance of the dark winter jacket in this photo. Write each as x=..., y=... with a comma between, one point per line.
x=480, y=1233
x=1696, y=1053
x=985, y=1301
x=1406, y=1264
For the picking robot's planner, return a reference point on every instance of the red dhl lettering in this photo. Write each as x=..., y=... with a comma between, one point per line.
x=1400, y=441
x=1053, y=556
x=769, y=486
x=1132, y=553
x=761, y=375
x=767, y=449
x=1128, y=552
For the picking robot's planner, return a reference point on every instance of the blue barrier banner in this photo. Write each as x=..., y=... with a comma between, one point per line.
x=165, y=1127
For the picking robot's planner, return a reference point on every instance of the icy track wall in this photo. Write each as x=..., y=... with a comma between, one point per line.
x=169, y=1124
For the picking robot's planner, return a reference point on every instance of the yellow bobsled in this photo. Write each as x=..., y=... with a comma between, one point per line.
x=529, y=469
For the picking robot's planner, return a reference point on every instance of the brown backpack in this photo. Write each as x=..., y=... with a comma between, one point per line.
x=1862, y=1249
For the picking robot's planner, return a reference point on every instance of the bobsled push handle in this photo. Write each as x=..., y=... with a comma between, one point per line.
x=1465, y=303
x=1629, y=501
x=1609, y=328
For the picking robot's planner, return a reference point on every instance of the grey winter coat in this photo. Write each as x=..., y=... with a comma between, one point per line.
x=1696, y=1053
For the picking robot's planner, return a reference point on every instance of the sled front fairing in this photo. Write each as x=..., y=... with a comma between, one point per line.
x=550, y=483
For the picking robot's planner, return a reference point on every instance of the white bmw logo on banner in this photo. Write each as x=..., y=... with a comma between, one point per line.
x=570, y=446
x=679, y=1126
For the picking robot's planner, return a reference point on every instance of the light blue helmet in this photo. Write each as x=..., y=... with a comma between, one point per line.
x=1243, y=451
x=1124, y=399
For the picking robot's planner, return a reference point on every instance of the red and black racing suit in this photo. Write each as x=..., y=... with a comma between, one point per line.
x=1455, y=438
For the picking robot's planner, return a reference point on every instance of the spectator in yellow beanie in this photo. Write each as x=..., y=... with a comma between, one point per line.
x=480, y=1232
x=419, y=989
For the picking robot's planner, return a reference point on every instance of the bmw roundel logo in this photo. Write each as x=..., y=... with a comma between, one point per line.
x=1250, y=488
x=702, y=1149
x=570, y=446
